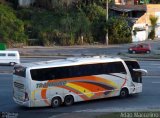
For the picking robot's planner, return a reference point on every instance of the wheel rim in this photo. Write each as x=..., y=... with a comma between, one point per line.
x=123, y=93
x=55, y=102
x=69, y=100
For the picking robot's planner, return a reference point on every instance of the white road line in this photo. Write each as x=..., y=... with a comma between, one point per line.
x=155, y=82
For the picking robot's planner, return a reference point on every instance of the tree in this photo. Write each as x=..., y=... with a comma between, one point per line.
x=153, y=19
x=97, y=17
x=11, y=28
x=118, y=31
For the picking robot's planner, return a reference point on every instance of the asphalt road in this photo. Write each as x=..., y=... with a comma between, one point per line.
x=148, y=99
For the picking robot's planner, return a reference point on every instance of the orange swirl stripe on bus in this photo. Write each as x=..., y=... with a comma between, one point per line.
x=82, y=85
x=92, y=87
x=81, y=89
x=43, y=95
x=76, y=92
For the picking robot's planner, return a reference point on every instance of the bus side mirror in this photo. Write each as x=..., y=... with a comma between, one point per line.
x=142, y=71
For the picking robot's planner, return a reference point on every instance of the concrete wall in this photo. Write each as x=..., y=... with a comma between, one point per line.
x=140, y=35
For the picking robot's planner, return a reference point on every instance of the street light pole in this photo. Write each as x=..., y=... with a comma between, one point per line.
x=106, y=22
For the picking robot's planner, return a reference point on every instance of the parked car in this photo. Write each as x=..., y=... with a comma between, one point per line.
x=140, y=48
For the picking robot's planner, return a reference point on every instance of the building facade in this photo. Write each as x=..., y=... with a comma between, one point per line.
x=138, y=13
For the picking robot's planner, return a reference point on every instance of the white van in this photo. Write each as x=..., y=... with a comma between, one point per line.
x=9, y=57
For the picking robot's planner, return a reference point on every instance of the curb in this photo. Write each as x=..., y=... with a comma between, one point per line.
x=145, y=57
x=63, y=56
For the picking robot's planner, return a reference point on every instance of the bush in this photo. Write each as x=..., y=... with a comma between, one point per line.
x=152, y=34
x=97, y=16
x=119, y=31
x=51, y=28
x=11, y=28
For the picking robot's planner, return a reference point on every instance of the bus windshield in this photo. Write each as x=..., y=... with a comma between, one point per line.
x=136, y=76
x=20, y=71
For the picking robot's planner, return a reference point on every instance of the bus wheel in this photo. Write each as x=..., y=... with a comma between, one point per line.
x=124, y=93
x=56, y=102
x=68, y=100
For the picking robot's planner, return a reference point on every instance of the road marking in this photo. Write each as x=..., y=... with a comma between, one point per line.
x=156, y=82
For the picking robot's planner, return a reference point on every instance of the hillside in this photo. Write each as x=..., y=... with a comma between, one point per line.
x=62, y=22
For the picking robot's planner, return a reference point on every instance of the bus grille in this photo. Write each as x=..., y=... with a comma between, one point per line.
x=18, y=85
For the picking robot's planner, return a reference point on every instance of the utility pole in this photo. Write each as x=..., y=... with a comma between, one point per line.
x=106, y=22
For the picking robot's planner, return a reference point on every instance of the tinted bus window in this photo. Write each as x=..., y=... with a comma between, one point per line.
x=11, y=54
x=20, y=71
x=49, y=73
x=2, y=54
x=114, y=67
x=77, y=71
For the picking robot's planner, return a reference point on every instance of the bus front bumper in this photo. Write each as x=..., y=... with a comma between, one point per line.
x=22, y=103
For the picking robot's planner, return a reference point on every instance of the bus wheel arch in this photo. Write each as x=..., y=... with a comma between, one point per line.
x=69, y=100
x=124, y=92
x=56, y=101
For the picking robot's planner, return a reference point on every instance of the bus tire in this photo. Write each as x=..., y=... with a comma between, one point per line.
x=68, y=100
x=124, y=93
x=56, y=102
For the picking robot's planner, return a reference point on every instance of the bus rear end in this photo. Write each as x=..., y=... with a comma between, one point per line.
x=20, y=86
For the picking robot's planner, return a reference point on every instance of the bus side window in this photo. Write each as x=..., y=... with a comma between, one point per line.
x=2, y=54
x=114, y=67
x=11, y=54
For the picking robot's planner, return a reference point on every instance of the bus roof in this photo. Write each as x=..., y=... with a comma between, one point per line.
x=71, y=61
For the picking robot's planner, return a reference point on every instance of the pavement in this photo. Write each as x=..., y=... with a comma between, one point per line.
x=88, y=50
x=35, y=51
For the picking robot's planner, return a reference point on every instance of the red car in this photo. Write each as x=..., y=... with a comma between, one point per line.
x=140, y=48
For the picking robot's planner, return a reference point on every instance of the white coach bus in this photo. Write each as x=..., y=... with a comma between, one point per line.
x=9, y=57
x=70, y=80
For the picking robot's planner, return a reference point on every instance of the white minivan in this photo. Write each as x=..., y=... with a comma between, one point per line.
x=9, y=57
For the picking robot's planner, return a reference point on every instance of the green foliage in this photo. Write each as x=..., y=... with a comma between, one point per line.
x=119, y=31
x=97, y=17
x=153, y=20
x=69, y=22
x=63, y=28
x=152, y=34
x=11, y=28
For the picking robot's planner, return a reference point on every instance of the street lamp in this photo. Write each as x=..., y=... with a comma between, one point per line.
x=107, y=21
